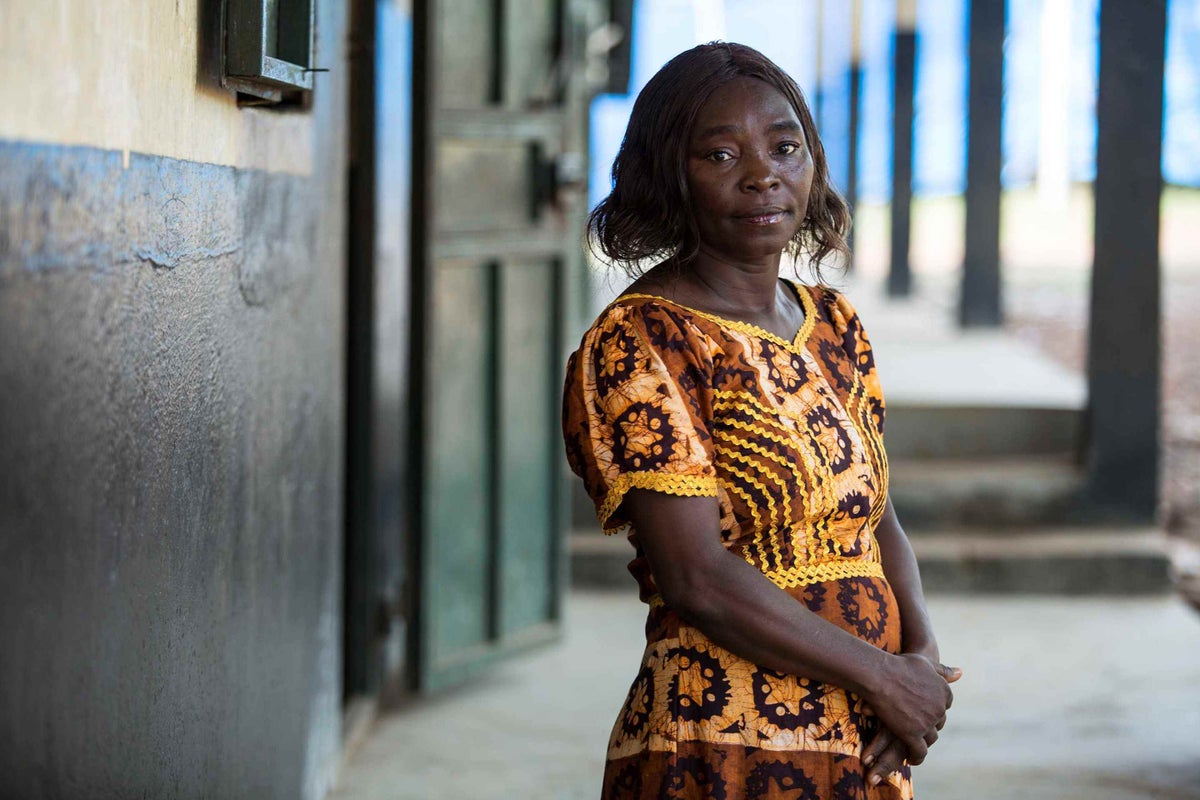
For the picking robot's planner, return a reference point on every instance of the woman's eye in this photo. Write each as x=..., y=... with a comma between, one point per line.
x=787, y=148
x=719, y=156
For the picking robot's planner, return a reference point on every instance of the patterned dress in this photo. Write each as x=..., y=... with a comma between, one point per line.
x=788, y=437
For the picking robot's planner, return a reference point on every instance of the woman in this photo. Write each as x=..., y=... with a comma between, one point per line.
x=735, y=422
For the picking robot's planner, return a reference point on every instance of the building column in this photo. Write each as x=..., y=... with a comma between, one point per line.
x=980, y=301
x=899, y=281
x=1123, y=342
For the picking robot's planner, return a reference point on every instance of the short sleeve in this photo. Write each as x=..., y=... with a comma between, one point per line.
x=637, y=410
x=849, y=326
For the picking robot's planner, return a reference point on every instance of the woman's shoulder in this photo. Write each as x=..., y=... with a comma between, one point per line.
x=637, y=338
x=823, y=294
x=657, y=321
x=834, y=304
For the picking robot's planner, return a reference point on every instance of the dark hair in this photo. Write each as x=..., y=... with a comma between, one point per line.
x=647, y=216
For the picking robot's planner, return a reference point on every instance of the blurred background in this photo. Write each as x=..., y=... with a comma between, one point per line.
x=844, y=58
x=286, y=291
x=1047, y=76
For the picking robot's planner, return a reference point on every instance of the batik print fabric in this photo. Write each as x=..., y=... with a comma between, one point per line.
x=788, y=436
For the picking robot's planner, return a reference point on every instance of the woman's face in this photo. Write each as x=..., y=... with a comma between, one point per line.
x=749, y=171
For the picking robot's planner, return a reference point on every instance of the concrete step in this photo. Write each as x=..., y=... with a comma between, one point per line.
x=599, y=561
x=937, y=431
x=583, y=511
x=1112, y=561
x=1115, y=561
x=990, y=494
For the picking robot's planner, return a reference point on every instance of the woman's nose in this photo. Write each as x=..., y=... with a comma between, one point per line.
x=759, y=174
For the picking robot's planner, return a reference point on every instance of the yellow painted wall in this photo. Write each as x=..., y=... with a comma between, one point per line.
x=124, y=75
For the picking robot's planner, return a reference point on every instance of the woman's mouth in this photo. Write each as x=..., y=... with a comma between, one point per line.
x=766, y=217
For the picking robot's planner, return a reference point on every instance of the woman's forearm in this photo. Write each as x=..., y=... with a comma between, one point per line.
x=900, y=568
x=740, y=609
x=735, y=604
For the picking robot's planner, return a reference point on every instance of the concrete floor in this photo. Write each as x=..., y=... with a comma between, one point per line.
x=1063, y=699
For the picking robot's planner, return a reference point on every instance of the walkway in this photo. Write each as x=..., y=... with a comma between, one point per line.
x=1063, y=699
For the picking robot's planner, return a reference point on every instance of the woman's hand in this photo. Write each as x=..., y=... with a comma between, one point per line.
x=883, y=756
x=911, y=701
x=927, y=648
x=886, y=753
x=900, y=567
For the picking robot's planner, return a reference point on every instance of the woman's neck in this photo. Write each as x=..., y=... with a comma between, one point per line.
x=750, y=293
x=752, y=288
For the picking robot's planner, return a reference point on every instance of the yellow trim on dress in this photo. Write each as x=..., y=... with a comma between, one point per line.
x=806, y=574
x=750, y=329
x=667, y=483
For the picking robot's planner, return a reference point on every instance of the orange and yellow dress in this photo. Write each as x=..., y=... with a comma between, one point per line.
x=788, y=437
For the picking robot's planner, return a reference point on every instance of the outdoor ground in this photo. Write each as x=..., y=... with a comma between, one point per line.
x=1061, y=699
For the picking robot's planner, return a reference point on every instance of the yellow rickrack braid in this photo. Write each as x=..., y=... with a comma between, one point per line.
x=681, y=485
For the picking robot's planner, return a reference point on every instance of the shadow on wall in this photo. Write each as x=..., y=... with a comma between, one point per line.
x=208, y=47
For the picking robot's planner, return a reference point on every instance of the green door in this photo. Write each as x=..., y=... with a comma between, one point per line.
x=499, y=123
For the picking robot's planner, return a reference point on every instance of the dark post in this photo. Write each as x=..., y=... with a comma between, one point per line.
x=1123, y=341
x=362, y=665
x=899, y=281
x=620, y=13
x=979, y=303
x=852, y=138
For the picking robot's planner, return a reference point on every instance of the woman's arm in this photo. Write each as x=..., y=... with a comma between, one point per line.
x=740, y=609
x=900, y=568
x=885, y=753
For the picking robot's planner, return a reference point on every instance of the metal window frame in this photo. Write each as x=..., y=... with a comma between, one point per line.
x=252, y=46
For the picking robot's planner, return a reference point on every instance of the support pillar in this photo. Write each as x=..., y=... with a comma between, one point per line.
x=980, y=301
x=1124, y=370
x=899, y=281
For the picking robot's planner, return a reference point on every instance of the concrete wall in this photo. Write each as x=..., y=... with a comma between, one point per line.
x=142, y=77
x=171, y=412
